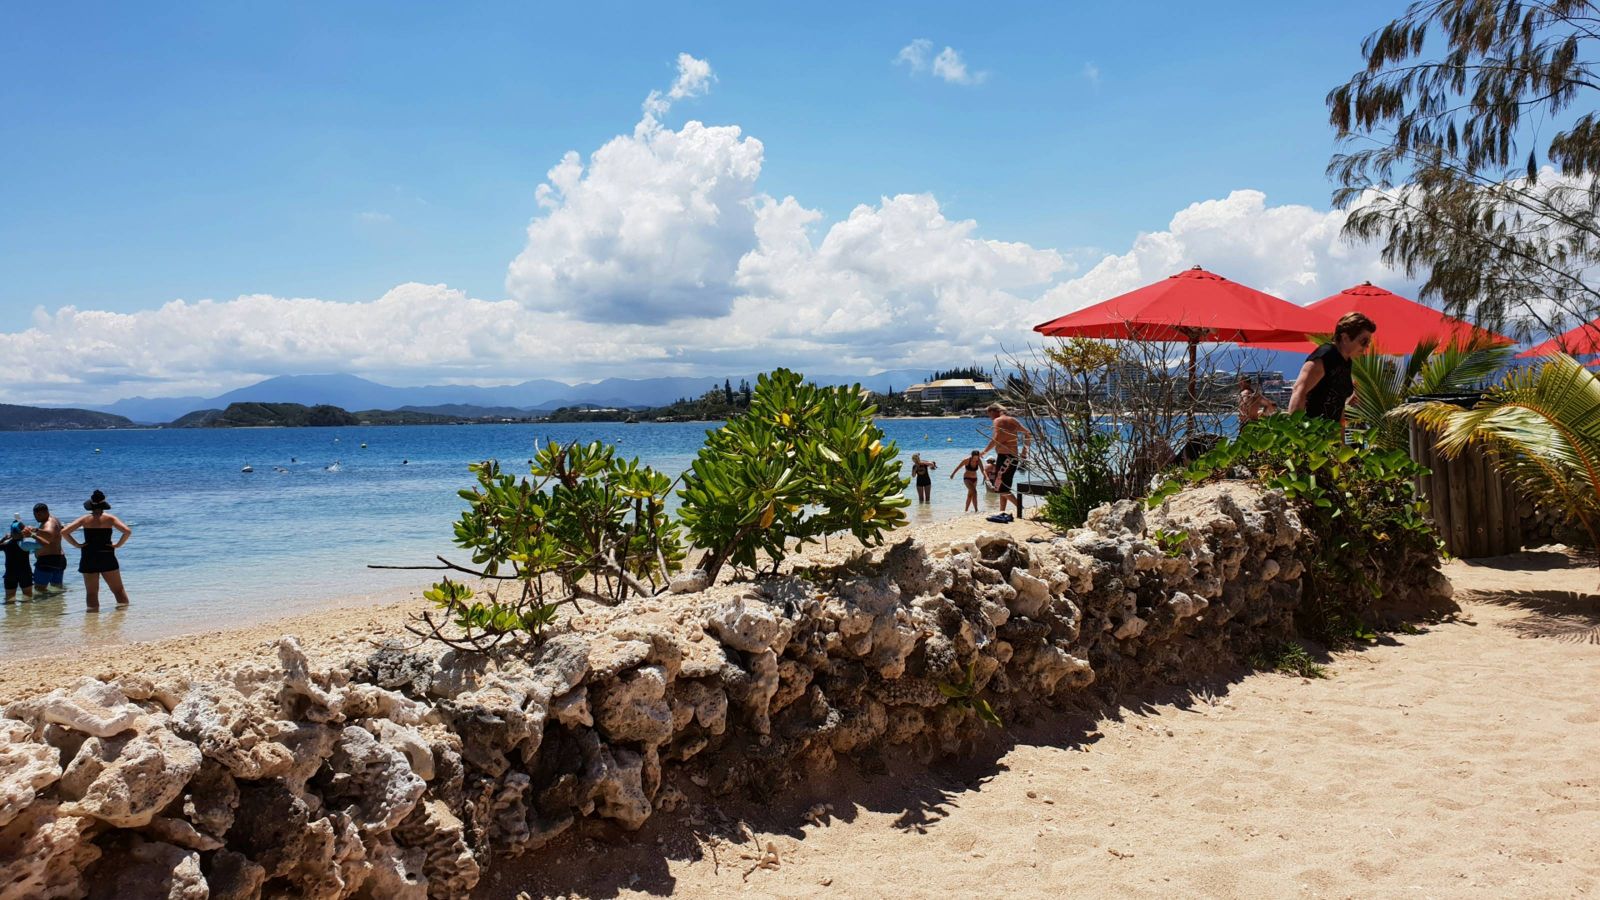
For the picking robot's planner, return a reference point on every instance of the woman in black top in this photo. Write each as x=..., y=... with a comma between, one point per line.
x=99, y=558
x=920, y=470
x=969, y=469
x=1325, y=384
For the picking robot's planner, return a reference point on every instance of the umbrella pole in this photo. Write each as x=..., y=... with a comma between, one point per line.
x=1193, y=394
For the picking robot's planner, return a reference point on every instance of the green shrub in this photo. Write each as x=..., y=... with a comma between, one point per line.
x=585, y=525
x=1358, y=505
x=803, y=461
x=1087, y=480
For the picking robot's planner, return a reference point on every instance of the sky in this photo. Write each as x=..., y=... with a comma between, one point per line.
x=196, y=197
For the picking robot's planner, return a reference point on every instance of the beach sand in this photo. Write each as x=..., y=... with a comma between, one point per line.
x=1461, y=761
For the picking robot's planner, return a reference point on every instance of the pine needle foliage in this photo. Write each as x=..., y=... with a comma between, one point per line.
x=1469, y=151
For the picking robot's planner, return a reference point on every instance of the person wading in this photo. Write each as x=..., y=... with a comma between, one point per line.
x=49, y=563
x=1004, y=442
x=969, y=469
x=99, y=558
x=1325, y=383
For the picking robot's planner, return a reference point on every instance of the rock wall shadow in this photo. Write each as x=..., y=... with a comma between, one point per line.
x=597, y=859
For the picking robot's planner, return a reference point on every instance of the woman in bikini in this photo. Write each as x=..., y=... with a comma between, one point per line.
x=969, y=469
x=920, y=470
x=99, y=558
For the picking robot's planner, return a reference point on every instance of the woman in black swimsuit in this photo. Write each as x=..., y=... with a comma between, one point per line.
x=969, y=469
x=920, y=470
x=99, y=558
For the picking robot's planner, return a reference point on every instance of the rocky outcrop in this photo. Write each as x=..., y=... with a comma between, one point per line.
x=403, y=772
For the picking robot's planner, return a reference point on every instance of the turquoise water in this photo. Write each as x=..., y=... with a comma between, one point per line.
x=214, y=547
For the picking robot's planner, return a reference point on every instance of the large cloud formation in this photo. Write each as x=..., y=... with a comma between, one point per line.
x=659, y=254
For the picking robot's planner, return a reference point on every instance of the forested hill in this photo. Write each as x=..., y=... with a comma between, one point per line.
x=257, y=415
x=34, y=418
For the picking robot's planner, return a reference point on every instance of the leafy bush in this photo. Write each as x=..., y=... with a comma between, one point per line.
x=587, y=525
x=1358, y=505
x=803, y=461
x=1086, y=481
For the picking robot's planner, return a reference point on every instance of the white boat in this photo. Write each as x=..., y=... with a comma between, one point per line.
x=280, y=470
x=363, y=445
x=247, y=468
x=335, y=467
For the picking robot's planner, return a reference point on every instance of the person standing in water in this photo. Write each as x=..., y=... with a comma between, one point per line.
x=99, y=558
x=50, y=564
x=969, y=469
x=920, y=470
x=16, y=572
x=1006, y=431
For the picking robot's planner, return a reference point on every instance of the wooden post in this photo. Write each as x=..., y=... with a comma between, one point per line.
x=1478, y=502
x=1456, y=484
x=1495, y=519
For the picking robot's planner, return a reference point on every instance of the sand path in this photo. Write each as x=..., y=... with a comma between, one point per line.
x=1462, y=761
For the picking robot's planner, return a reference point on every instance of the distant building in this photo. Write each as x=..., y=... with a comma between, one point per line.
x=950, y=390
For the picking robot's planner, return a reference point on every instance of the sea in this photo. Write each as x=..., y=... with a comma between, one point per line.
x=215, y=547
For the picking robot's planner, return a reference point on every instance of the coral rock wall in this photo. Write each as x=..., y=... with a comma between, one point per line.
x=401, y=772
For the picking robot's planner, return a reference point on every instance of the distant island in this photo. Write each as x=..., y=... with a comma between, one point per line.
x=299, y=415
x=33, y=418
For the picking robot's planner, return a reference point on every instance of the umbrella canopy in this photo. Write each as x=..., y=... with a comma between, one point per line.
x=1581, y=341
x=1402, y=323
x=1190, y=307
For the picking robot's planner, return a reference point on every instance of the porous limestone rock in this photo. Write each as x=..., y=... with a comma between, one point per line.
x=44, y=852
x=126, y=779
x=91, y=707
x=25, y=768
x=744, y=622
x=137, y=869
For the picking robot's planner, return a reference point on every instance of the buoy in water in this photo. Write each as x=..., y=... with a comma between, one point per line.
x=949, y=440
x=363, y=445
x=97, y=449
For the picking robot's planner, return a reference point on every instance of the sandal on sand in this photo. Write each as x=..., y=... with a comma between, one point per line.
x=1002, y=518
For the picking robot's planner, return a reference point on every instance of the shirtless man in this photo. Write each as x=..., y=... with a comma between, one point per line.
x=1004, y=442
x=50, y=564
x=1252, y=403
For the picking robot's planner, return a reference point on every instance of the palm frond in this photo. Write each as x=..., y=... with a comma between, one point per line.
x=1544, y=424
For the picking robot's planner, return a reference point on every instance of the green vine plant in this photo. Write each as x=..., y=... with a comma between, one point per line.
x=583, y=524
x=1358, y=504
x=1173, y=543
x=964, y=695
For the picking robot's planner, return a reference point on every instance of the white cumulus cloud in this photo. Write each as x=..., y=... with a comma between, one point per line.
x=651, y=227
x=1292, y=251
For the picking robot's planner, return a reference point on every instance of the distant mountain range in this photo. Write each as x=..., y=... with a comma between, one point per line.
x=512, y=400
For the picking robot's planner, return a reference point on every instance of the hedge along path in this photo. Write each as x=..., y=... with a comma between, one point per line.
x=409, y=772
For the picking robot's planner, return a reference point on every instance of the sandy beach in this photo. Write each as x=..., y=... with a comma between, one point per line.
x=1458, y=761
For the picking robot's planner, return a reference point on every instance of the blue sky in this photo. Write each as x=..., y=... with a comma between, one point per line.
x=335, y=151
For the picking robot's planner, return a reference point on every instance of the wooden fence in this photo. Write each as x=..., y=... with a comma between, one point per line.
x=1473, y=507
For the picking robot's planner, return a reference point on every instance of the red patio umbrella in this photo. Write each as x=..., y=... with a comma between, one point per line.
x=1402, y=323
x=1190, y=307
x=1581, y=341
